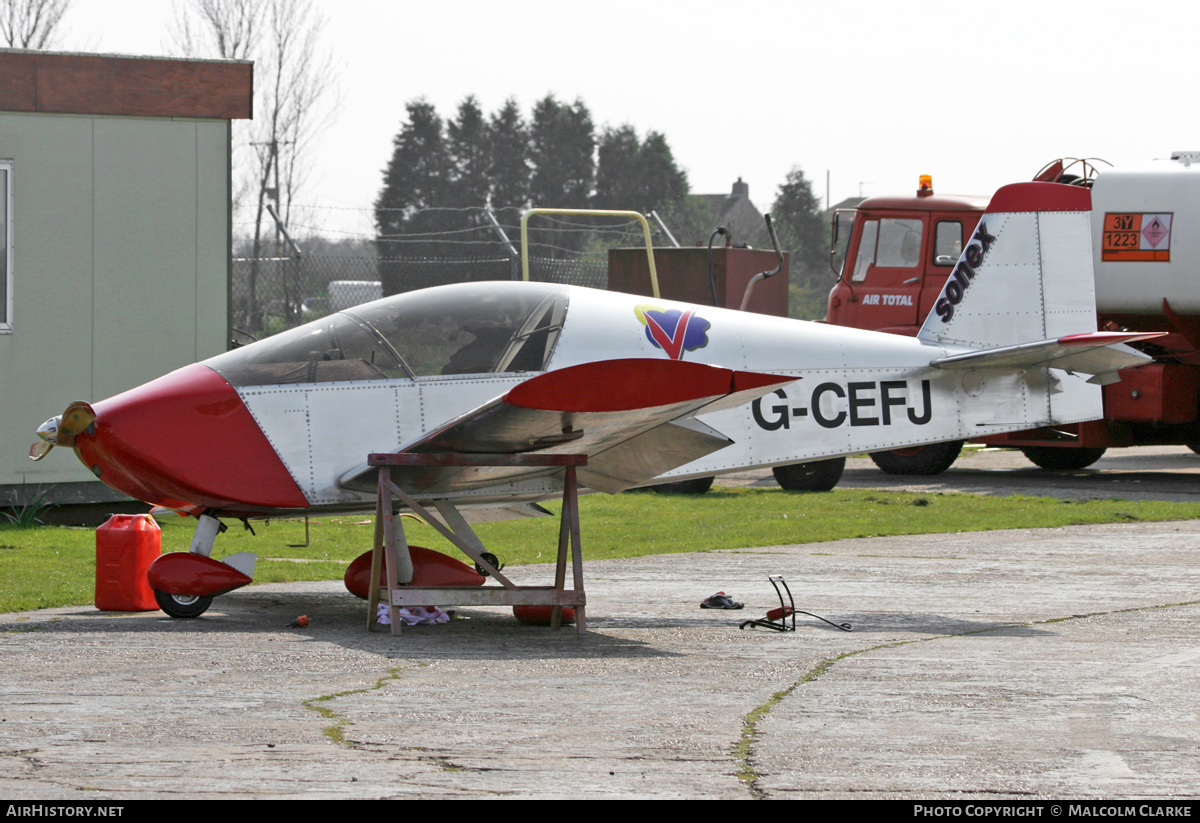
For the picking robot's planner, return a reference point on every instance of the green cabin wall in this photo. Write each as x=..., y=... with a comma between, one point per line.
x=121, y=247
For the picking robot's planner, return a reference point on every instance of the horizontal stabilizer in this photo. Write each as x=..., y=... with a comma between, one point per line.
x=1095, y=353
x=587, y=409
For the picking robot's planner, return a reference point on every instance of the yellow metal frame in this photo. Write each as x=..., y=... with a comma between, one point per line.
x=595, y=212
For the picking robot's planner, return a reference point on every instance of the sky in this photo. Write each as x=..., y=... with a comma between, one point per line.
x=868, y=95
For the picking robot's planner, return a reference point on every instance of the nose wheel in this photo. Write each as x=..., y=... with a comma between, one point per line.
x=182, y=605
x=185, y=583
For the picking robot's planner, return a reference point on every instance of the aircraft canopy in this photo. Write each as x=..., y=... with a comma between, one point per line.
x=466, y=328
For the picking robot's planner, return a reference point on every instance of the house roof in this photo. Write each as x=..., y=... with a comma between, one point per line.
x=735, y=211
x=63, y=83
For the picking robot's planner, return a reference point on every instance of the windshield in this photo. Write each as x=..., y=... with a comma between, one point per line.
x=468, y=328
x=843, y=227
x=887, y=243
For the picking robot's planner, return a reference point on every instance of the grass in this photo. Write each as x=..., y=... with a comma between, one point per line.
x=42, y=567
x=27, y=515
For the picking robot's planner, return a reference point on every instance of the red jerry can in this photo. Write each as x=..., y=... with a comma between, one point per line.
x=126, y=545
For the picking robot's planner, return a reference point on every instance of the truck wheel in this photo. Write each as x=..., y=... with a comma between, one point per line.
x=182, y=605
x=932, y=459
x=817, y=476
x=1062, y=459
x=698, y=485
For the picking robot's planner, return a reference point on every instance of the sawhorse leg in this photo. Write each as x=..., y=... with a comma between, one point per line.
x=568, y=532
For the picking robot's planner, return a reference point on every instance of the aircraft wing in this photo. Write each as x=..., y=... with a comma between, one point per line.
x=1097, y=353
x=632, y=418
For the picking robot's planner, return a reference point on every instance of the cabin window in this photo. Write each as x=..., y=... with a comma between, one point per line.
x=6, y=256
x=843, y=229
x=899, y=244
x=888, y=243
x=330, y=350
x=947, y=242
x=866, y=250
x=469, y=328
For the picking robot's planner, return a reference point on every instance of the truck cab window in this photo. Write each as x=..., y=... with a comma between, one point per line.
x=866, y=250
x=947, y=242
x=899, y=244
x=842, y=230
x=888, y=243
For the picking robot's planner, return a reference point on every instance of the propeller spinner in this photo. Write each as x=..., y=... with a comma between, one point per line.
x=61, y=430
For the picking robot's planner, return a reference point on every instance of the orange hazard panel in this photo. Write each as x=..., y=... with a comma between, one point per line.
x=1133, y=237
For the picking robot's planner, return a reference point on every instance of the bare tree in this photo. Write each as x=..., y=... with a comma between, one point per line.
x=228, y=29
x=295, y=106
x=293, y=87
x=292, y=113
x=31, y=24
x=217, y=28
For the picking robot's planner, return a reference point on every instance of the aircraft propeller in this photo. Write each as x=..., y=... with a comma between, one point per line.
x=61, y=430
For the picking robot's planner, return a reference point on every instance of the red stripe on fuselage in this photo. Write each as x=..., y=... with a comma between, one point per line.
x=638, y=383
x=186, y=440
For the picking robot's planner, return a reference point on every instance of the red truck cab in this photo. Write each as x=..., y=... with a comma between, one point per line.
x=898, y=252
x=892, y=256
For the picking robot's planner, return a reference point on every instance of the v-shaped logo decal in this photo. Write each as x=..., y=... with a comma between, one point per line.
x=672, y=330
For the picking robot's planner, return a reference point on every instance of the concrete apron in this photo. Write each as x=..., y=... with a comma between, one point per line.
x=1040, y=663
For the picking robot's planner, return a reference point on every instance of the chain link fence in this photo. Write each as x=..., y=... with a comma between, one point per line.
x=271, y=294
x=274, y=293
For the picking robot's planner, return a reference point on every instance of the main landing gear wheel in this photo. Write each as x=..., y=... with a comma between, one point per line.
x=932, y=459
x=182, y=605
x=1065, y=459
x=817, y=476
x=697, y=485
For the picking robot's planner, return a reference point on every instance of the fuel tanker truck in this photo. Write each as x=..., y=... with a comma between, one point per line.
x=893, y=255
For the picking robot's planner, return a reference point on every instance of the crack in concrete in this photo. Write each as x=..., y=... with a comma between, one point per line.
x=743, y=754
x=337, y=731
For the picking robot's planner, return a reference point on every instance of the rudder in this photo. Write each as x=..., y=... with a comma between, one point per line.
x=1025, y=275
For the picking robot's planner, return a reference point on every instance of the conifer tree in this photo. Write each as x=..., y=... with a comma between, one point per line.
x=508, y=151
x=417, y=179
x=562, y=145
x=467, y=149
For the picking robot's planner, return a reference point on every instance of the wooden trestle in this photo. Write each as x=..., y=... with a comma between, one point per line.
x=391, y=545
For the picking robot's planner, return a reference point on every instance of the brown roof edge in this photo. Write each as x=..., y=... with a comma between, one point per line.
x=115, y=84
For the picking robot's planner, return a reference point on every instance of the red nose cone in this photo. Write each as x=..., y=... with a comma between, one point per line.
x=186, y=440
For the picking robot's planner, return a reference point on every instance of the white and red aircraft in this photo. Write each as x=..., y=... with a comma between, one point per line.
x=649, y=390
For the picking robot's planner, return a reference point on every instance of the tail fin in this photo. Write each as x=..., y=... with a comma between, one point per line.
x=1023, y=294
x=1026, y=274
